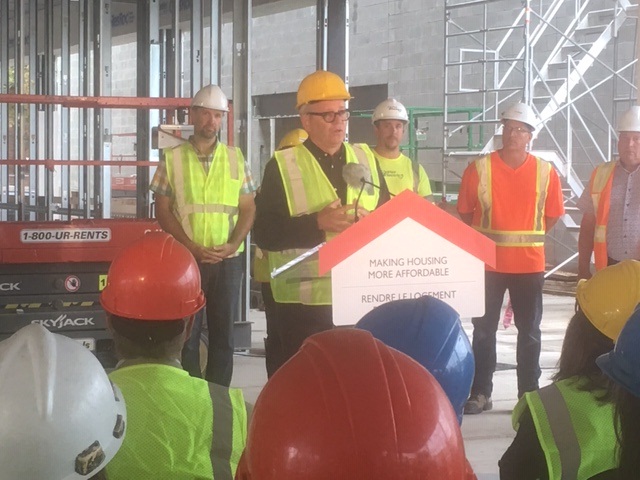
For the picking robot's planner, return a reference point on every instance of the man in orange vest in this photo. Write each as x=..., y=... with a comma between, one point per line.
x=513, y=198
x=610, y=226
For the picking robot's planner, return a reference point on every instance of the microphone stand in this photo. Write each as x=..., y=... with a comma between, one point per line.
x=365, y=182
x=296, y=261
x=362, y=184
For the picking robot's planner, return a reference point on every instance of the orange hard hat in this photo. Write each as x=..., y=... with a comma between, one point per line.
x=346, y=406
x=153, y=278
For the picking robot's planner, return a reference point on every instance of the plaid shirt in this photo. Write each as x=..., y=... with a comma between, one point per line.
x=160, y=183
x=623, y=227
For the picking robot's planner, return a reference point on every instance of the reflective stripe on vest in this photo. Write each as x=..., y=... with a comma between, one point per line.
x=308, y=190
x=261, y=265
x=206, y=205
x=415, y=168
x=229, y=430
x=414, y=171
x=601, y=198
x=578, y=446
x=512, y=238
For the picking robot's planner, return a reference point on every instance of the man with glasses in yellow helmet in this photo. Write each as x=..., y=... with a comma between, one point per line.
x=304, y=201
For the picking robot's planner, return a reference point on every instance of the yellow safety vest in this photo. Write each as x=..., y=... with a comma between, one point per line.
x=408, y=170
x=512, y=238
x=178, y=427
x=308, y=190
x=600, y=190
x=206, y=205
x=261, y=265
x=575, y=430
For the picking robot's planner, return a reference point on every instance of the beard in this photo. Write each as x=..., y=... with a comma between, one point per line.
x=208, y=133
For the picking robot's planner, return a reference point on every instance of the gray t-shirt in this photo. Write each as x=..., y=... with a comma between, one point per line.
x=623, y=228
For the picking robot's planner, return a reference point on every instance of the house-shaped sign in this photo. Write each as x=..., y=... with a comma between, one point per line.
x=406, y=249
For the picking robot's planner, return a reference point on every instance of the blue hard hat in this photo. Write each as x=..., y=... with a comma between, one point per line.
x=430, y=332
x=622, y=364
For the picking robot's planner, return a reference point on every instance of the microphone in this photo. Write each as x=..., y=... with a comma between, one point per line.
x=358, y=176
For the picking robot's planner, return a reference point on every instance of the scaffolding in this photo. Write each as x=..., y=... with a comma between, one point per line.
x=571, y=60
x=418, y=126
x=60, y=99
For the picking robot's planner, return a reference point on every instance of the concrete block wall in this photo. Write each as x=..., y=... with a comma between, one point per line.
x=123, y=122
x=397, y=43
x=394, y=42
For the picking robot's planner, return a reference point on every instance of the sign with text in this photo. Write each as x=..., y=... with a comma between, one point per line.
x=408, y=248
x=408, y=261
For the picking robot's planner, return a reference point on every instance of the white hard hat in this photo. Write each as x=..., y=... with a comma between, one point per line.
x=521, y=112
x=630, y=120
x=211, y=97
x=390, y=109
x=61, y=417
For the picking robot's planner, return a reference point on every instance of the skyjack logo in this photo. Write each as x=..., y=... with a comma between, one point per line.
x=9, y=286
x=64, y=321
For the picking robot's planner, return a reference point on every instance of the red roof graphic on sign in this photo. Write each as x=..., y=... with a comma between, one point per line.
x=406, y=205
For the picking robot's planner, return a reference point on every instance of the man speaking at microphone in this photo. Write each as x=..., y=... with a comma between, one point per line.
x=304, y=201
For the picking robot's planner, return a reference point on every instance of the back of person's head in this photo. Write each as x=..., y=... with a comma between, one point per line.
x=609, y=297
x=604, y=303
x=622, y=365
x=292, y=138
x=346, y=407
x=61, y=417
x=153, y=290
x=430, y=332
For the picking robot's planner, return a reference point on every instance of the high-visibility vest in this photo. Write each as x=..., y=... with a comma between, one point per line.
x=533, y=236
x=410, y=173
x=206, y=205
x=600, y=190
x=575, y=430
x=178, y=427
x=308, y=190
x=261, y=265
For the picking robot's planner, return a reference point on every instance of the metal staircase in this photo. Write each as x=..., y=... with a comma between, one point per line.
x=572, y=60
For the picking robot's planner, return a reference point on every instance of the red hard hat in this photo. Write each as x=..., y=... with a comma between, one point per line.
x=346, y=406
x=154, y=278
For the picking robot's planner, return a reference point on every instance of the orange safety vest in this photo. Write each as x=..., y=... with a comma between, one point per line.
x=600, y=190
x=533, y=237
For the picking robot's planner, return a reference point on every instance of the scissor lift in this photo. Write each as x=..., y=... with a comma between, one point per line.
x=52, y=273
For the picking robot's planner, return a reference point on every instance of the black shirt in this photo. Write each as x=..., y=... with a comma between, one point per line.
x=274, y=228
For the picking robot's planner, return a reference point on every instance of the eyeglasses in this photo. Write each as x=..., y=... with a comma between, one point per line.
x=330, y=117
x=519, y=130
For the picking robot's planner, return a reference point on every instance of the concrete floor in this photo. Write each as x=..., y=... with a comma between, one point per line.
x=487, y=435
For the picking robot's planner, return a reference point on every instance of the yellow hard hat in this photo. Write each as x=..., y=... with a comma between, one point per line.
x=609, y=297
x=293, y=138
x=321, y=85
